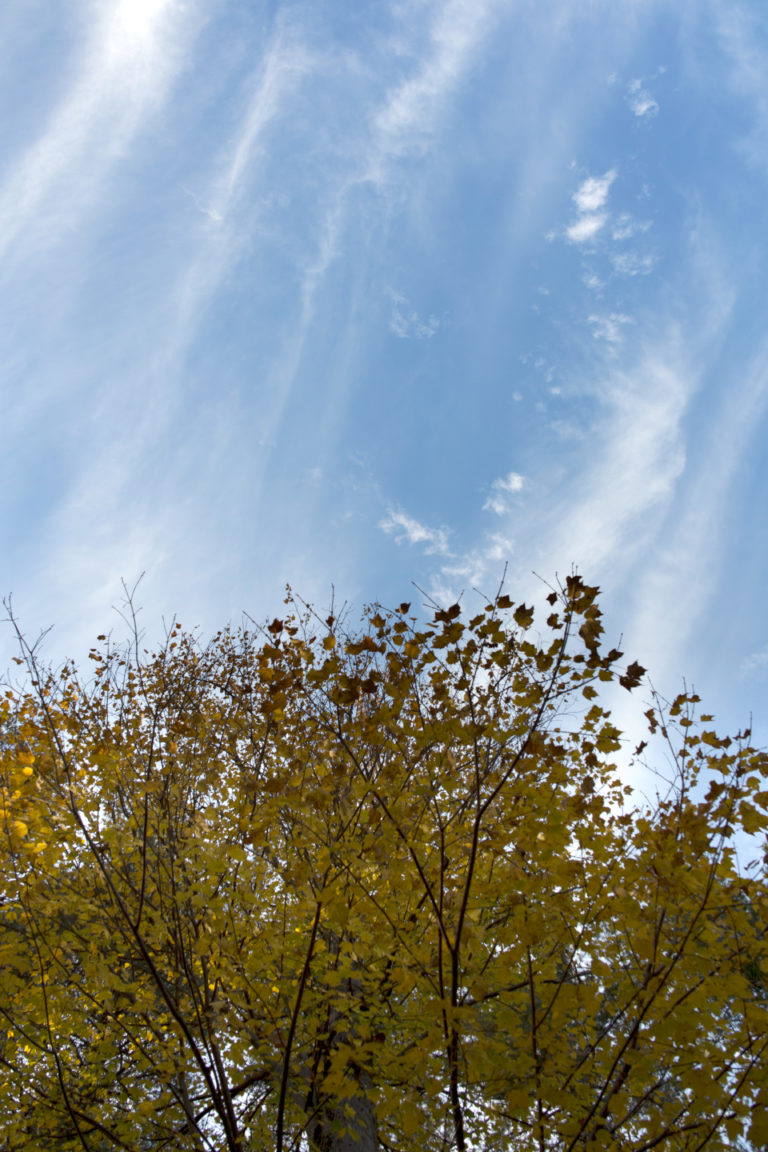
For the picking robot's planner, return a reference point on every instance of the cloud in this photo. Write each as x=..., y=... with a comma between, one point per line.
x=504, y=485
x=413, y=107
x=592, y=193
x=756, y=662
x=142, y=385
x=586, y=227
x=406, y=323
x=227, y=201
x=600, y=513
x=607, y=517
x=740, y=31
x=609, y=327
x=625, y=227
x=474, y=569
x=591, y=280
x=406, y=529
x=640, y=100
x=475, y=566
x=132, y=56
x=632, y=263
x=683, y=573
x=642, y=457
x=285, y=63
x=590, y=198
x=546, y=369
x=496, y=503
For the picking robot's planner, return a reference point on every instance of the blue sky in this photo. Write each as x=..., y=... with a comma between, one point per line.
x=355, y=295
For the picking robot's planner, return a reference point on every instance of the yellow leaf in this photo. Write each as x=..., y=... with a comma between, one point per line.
x=523, y=616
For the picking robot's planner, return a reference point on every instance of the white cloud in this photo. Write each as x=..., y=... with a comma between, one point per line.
x=406, y=529
x=740, y=31
x=133, y=54
x=643, y=104
x=609, y=327
x=592, y=193
x=512, y=482
x=285, y=63
x=614, y=518
x=405, y=123
x=590, y=198
x=504, y=485
x=591, y=280
x=496, y=503
x=625, y=227
x=640, y=100
x=756, y=662
x=632, y=263
x=636, y=458
x=227, y=202
x=131, y=533
x=684, y=570
x=586, y=227
x=475, y=569
x=406, y=323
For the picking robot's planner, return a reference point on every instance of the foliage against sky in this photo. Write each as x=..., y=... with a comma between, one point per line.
x=308, y=879
x=319, y=291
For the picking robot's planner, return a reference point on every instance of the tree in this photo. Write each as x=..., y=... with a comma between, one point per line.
x=304, y=888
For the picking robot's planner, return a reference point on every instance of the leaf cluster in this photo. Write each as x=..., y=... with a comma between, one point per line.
x=304, y=886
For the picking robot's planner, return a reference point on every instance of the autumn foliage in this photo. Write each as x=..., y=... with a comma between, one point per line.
x=304, y=887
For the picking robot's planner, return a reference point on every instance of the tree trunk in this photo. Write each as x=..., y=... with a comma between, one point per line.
x=347, y=1126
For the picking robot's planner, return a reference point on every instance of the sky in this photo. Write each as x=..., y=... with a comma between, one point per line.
x=358, y=297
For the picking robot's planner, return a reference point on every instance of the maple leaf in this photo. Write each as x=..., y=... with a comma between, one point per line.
x=632, y=676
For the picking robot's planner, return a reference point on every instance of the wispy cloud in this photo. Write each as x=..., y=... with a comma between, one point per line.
x=742, y=33
x=591, y=280
x=642, y=455
x=595, y=221
x=590, y=198
x=602, y=519
x=502, y=487
x=688, y=557
x=627, y=227
x=147, y=381
x=632, y=263
x=406, y=529
x=640, y=99
x=228, y=202
x=135, y=53
x=755, y=663
x=286, y=62
x=405, y=125
x=412, y=108
x=217, y=220
x=609, y=328
x=475, y=569
x=406, y=323
x=131, y=58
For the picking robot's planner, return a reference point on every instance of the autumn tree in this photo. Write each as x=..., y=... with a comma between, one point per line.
x=313, y=888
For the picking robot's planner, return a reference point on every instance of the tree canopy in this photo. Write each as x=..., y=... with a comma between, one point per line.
x=308, y=887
